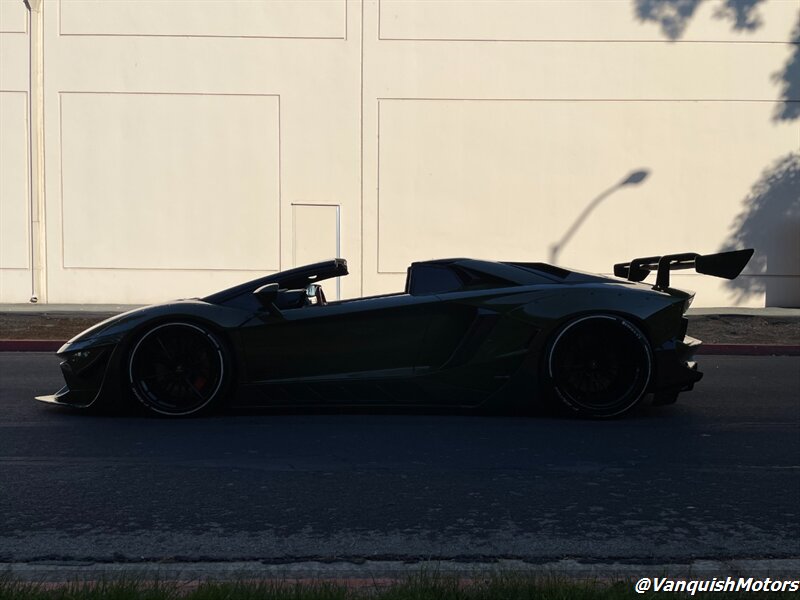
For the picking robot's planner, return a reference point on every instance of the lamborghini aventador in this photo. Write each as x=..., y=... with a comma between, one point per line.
x=463, y=333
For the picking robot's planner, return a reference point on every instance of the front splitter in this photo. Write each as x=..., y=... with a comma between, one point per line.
x=65, y=397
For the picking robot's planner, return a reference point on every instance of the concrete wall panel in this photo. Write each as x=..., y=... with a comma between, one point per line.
x=577, y=20
x=504, y=129
x=170, y=181
x=13, y=17
x=15, y=167
x=14, y=177
x=205, y=18
x=184, y=137
x=515, y=179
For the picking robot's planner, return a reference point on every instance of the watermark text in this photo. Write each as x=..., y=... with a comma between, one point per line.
x=729, y=584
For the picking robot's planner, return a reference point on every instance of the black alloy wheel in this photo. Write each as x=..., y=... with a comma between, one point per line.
x=177, y=369
x=599, y=366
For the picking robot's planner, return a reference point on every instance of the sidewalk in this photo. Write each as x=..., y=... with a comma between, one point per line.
x=44, y=327
x=732, y=330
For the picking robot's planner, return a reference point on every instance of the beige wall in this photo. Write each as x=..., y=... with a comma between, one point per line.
x=190, y=145
x=15, y=171
x=181, y=134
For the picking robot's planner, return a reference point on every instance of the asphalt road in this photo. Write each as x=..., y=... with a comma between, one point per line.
x=715, y=476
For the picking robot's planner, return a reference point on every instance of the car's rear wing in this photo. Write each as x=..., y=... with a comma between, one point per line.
x=725, y=264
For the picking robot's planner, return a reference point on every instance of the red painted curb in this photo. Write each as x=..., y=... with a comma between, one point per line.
x=707, y=349
x=30, y=345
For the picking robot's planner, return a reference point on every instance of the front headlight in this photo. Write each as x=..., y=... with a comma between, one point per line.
x=79, y=344
x=81, y=362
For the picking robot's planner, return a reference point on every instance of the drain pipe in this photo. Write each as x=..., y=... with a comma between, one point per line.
x=36, y=149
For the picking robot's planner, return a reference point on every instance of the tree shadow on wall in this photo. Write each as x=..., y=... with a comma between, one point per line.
x=789, y=81
x=674, y=15
x=770, y=223
x=770, y=218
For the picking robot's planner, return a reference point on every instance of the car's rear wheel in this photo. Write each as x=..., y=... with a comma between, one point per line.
x=599, y=366
x=178, y=369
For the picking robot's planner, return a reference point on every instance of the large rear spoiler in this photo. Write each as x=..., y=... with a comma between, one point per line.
x=725, y=264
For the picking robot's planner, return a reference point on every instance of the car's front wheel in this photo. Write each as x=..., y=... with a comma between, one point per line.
x=599, y=366
x=178, y=369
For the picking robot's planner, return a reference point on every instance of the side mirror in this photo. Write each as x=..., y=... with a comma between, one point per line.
x=312, y=290
x=267, y=295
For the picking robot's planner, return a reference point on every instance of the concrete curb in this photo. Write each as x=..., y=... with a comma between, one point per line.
x=705, y=349
x=749, y=349
x=384, y=572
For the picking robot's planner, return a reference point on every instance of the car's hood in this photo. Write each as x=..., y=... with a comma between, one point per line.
x=111, y=330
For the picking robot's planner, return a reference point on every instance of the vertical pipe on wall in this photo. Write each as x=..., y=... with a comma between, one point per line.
x=36, y=148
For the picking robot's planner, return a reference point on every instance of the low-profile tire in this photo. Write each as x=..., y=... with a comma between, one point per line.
x=599, y=366
x=178, y=369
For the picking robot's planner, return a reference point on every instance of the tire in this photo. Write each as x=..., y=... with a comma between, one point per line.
x=599, y=366
x=178, y=369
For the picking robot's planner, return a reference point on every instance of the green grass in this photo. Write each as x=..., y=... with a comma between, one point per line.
x=419, y=587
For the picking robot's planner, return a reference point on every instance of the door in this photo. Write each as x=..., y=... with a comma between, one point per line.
x=338, y=347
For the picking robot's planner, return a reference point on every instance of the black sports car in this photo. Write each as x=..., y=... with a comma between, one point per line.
x=463, y=333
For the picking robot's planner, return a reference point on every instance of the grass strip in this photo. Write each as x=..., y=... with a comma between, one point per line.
x=424, y=586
